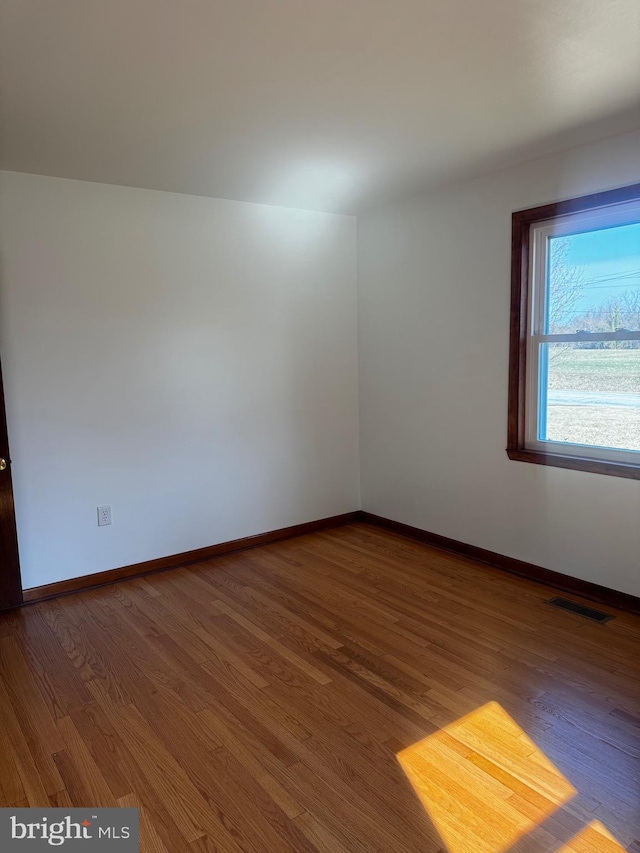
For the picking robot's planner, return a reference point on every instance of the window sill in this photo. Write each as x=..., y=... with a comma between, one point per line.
x=577, y=463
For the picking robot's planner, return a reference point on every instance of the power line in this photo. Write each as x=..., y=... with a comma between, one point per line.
x=626, y=274
x=611, y=286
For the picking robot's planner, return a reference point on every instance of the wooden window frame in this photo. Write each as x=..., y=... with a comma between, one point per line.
x=522, y=221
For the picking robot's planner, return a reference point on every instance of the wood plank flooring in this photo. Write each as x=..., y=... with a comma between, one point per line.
x=311, y=695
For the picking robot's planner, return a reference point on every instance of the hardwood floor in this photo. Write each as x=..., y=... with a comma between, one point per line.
x=310, y=695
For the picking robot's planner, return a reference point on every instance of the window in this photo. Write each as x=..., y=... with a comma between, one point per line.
x=574, y=377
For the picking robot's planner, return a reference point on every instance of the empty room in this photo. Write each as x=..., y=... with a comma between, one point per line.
x=320, y=426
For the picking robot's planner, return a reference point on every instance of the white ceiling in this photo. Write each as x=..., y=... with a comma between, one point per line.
x=322, y=104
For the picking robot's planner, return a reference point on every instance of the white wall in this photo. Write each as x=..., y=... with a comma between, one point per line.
x=433, y=293
x=190, y=361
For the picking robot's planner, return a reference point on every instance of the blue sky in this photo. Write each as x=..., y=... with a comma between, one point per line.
x=611, y=262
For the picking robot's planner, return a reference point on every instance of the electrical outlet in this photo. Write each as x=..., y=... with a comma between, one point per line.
x=104, y=515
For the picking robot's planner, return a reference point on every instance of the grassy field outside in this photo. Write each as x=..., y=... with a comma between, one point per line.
x=609, y=371
x=576, y=373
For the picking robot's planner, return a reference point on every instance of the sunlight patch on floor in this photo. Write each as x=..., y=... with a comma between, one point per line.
x=485, y=784
x=594, y=838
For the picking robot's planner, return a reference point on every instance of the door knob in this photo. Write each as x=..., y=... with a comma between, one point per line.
x=3, y=464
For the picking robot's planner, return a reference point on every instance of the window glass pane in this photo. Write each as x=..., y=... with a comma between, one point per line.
x=593, y=281
x=590, y=394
